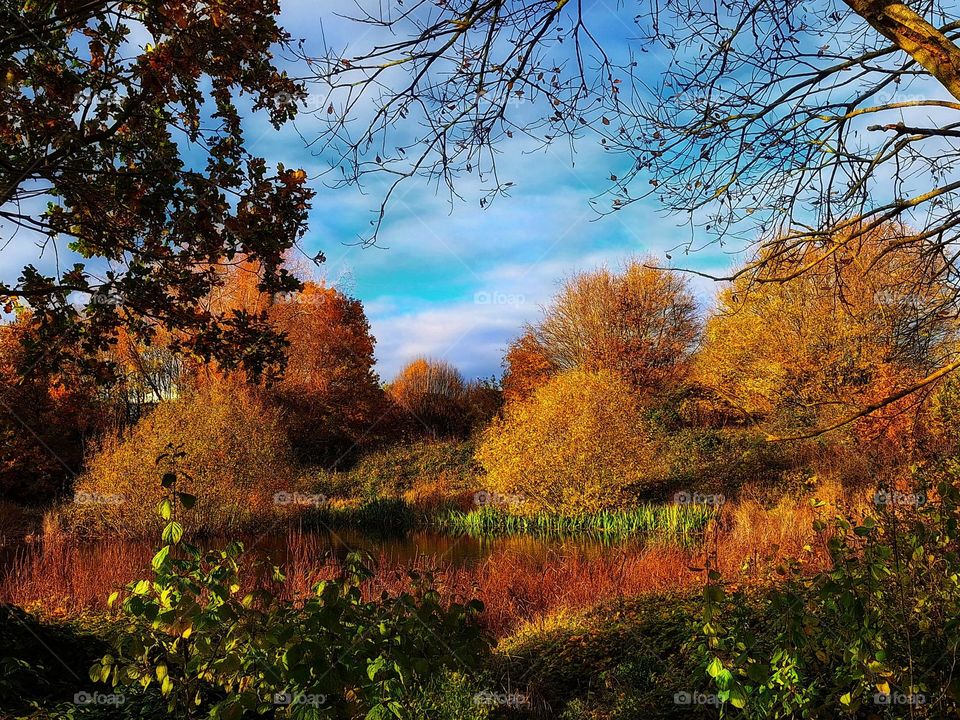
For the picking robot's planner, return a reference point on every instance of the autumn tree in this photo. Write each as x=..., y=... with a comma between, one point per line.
x=144, y=374
x=132, y=158
x=329, y=391
x=526, y=367
x=806, y=354
x=641, y=323
x=45, y=420
x=432, y=395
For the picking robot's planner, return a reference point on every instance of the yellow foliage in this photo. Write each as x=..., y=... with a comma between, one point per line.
x=577, y=445
x=237, y=457
x=833, y=339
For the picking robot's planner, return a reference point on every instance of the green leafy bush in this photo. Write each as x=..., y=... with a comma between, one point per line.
x=874, y=635
x=215, y=650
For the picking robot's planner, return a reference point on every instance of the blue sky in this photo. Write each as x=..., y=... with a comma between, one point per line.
x=456, y=281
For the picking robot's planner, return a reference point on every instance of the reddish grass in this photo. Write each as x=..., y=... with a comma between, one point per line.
x=519, y=581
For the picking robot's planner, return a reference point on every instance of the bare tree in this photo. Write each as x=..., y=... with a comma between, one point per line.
x=432, y=393
x=780, y=126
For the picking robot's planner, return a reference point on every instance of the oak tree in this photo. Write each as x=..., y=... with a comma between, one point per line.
x=121, y=145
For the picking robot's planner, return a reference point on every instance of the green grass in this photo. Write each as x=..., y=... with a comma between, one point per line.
x=374, y=515
x=648, y=519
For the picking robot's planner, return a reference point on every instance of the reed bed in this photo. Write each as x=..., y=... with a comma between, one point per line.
x=671, y=520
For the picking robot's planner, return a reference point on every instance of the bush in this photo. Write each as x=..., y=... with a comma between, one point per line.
x=236, y=455
x=876, y=631
x=580, y=444
x=432, y=396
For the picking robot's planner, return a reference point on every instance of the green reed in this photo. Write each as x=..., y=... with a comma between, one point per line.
x=668, y=520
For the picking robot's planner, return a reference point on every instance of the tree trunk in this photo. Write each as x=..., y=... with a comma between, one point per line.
x=916, y=37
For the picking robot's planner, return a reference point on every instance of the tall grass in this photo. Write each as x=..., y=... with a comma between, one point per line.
x=672, y=520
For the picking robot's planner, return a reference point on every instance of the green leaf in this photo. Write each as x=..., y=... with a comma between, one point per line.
x=112, y=599
x=172, y=533
x=375, y=667
x=715, y=667
x=738, y=698
x=165, y=508
x=160, y=558
x=168, y=479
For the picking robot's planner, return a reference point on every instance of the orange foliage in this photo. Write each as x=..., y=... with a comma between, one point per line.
x=237, y=458
x=836, y=338
x=329, y=392
x=44, y=419
x=527, y=367
x=579, y=444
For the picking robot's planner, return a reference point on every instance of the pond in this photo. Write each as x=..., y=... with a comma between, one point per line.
x=519, y=577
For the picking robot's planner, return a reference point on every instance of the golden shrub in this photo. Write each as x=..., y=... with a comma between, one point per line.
x=237, y=458
x=579, y=444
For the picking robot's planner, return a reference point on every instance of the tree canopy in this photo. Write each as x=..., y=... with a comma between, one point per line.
x=121, y=143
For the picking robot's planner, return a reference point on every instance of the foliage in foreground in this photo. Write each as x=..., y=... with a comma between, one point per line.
x=621, y=660
x=876, y=633
x=216, y=653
